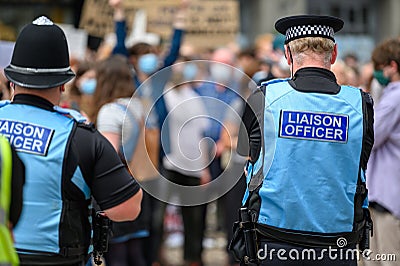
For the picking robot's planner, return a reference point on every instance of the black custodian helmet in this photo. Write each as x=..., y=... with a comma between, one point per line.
x=40, y=58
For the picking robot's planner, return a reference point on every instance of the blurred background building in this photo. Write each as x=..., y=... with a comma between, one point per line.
x=366, y=21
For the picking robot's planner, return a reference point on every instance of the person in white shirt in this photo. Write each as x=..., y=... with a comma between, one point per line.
x=187, y=162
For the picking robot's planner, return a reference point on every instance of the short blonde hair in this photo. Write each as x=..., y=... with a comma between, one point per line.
x=317, y=47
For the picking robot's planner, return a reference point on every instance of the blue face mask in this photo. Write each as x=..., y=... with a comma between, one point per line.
x=148, y=63
x=88, y=86
x=378, y=75
x=189, y=71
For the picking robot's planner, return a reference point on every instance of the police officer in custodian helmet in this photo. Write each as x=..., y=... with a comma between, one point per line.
x=67, y=160
x=309, y=140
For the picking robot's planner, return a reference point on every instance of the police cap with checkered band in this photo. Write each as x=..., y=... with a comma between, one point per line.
x=301, y=26
x=40, y=58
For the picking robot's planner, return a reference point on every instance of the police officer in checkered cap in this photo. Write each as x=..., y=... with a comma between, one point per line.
x=66, y=159
x=308, y=139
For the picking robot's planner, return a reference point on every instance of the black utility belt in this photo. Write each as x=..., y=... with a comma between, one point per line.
x=49, y=259
x=266, y=232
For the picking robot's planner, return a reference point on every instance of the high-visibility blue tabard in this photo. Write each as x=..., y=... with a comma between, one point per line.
x=41, y=138
x=310, y=158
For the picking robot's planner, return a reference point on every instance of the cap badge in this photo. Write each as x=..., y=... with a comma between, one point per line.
x=41, y=21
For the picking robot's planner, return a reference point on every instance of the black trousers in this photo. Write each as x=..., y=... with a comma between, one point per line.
x=193, y=220
x=128, y=253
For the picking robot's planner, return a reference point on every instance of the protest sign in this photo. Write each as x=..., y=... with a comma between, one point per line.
x=209, y=23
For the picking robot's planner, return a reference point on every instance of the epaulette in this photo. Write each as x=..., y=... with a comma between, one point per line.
x=272, y=81
x=87, y=125
x=4, y=103
x=78, y=117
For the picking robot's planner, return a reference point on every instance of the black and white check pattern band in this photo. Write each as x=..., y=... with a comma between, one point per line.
x=296, y=32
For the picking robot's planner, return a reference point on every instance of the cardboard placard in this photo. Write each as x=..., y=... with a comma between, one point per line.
x=212, y=23
x=97, y=18
x=209, y=23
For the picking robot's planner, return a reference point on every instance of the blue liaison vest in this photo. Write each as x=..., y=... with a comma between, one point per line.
x=49, y=223
x=310, y=160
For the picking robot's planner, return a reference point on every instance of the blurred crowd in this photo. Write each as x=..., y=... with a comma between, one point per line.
x=163, y=101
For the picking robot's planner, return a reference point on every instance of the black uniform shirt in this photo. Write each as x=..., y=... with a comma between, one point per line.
x=101, y=167
x=310, y=79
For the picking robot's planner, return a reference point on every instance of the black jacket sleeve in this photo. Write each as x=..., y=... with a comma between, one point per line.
x=17, y=183
x=368, y=140
x=110, y=182
x=250, y=137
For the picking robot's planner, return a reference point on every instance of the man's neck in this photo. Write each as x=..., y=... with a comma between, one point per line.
x=52, y=95
x=395, y=77
x=310, y=63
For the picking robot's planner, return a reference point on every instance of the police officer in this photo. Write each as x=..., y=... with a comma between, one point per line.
x=12, y=178
x=309, y=140
x=66, y=159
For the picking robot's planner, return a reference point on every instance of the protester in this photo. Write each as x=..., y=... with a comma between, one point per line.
x=187, y=162
x=218, y=92
x=146, y=60
x=4, y=88
x=12, y=178
x=306, y=185
x=79, y=92
x=383, y=167
x=67, y=160
x=344, y=74
x=248, y=64
x=264, y=45
x=120, y=119
x=265, y=72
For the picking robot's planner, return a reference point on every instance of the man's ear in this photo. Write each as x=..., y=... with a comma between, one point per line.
x=334, y=54
x=394, y=65
x=287, y=56
x=62, y=88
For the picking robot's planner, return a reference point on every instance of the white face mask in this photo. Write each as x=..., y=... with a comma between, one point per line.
x=88, y=86
x=221, y=73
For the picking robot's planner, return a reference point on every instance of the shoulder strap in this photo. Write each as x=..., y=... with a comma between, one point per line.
x=78, y=117
x=272, y=81
x=4, y=103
